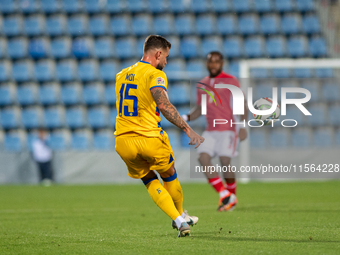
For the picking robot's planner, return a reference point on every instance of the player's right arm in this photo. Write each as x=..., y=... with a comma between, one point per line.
x=171, y=114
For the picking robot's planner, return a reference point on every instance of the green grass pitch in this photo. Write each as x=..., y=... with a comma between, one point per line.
x=271, y=218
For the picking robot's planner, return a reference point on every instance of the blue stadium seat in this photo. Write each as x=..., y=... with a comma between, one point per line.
x=331, y=92
x=71, y=6
x=291, y=23
x=108, y=70
x=76, y=117
x=324, y=72
x=17, y=47
x=5, y=70
x=115, y=6
x=142, y=24
x=7, y=94
x=113, y=115
x=185, y=24
x=140, y=45
x=313, y=87
x=103, y=140
x=206, y=24
x=281, y=73
x=66, y=70
x=294, y=113
x=59, y=140
x=44, y=70
x=197, y=69
x=279, y=138
x=311, y=24
x=121, y=25
x=94, y=6
x=323, y=137
x=103, y=47
x=254, y=47
x=227, y=24
x=259, y=73
x=88, y=70
x=200, y=6
x=10, y=117
x=93, y=93
x=248, y=24
x=179, y=93
x=334, y=113
x=32, y=117
x=137, y=5
x=264, y=89
x=50, y=6
x=12, y=25
x=8, y=6
x=39, y=47
x=126, y=47
x=317, y=47
x=82, y=139
x=49, y=93
x=179, y=6
x=305, y=5
x=297, y=46
x=54, y=117
x=270, y=24
x=34, y=25
x=301, y=138
x=242, y=6
x=175, y=46
x=71, y=93
x=191, y=47
x=263, y=5
x=61, y=47
x=99, y=24
x=319, y=115
x=28, y=6
x=234, y=68
x=157, y=6
x=56, y=25
x=3, y=47
x=174, y=138
x=15, y=141
x=82, y=47
x=284, y=5
x=276, y=46
x=110, y=94
x=212, y=43
x=302, y=72
x=164, y=24
x=257, y=138
x=98, y=117
x=22, y=70
x=128, y=62
x=233, y=47
x=30, y=138
x=77, y=24
x=174, y=68
x=27, y=94
x=221, y=6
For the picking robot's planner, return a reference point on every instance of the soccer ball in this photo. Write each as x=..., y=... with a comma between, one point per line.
x=262, y=104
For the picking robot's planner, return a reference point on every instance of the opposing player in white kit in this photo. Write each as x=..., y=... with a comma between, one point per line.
x=221, y=140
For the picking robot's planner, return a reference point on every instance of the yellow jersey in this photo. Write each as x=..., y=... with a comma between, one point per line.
x=136, y=108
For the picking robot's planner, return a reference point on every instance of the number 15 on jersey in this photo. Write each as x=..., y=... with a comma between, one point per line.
x=124, y=96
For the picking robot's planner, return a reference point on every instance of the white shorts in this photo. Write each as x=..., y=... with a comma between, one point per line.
x=219, y=143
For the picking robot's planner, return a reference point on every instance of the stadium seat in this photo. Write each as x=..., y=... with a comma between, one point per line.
x=28, y=6
x=179, y=6
x=317, y=47
x=311, y=24
x=32, y=117
x=77, y=25
x=248, y=24
x=331, y=92
x=212, y=43
x=126, y=47
x=30, y=138
x=115, y=6
x=179, y=93
x=264, y=89
x=128, y=62
x=206, y=24
x=50, y=6
x=88, y=70
x=185, y=24
x=39, y=47
x=12, y=25
x=270, y=24
x=60, y=140
x=15, y=141
x=82, y=139
x=82, y=47
x=121, y=25
x=94, y=6
x=3, y=47
x=5, y=70
x=334, y=113
x=291, y=23
x=99, y=24
x=302, y=137
x=175, y=46
x=284, y=5
x=324, y=72
x=197, y=69
x=110, y=94
x=174, y=68
x=234, y=68
x=294, y=113
x=313, y=87
x=137, y=5
x=227, y=24
x=319, y=115
x=257, y=138
x=44, y=70
x=34, y=25
x=113, y=115
x=142, y=24
x=140, y=45
x=276, y=46
x=71, y=6
x=279, y=138
x=281, y=72
x=259, y=73
x=174, y=138
x=191, y=47
x=7, y=94
x=305, y=5
x=103, y=140
x=98, y=117
x=8, y=6
x=108, y=70
x=164, y=24
x=10, y=117
x=54, y=117
x=17, y=47
x=71, y=93
x=302, y=72
x=323, y=137
x=221, y=6
x=242, y=6
x=254, y=47
x=93, y=93
x=49, y=93
x=263, y=5
x=200, y=6
x=233, y=47
x=297, y=46
x=22, y=70
x=61, y=47
x=76, y=117
x=337, y=138
x=56, y=25
x=66, y=70
x=157, y=6
x=103, y=47
x=27, y=94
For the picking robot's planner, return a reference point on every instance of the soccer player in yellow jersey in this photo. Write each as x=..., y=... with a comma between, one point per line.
x=140, y=141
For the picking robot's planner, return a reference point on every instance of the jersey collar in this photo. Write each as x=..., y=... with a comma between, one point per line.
x=144, y=62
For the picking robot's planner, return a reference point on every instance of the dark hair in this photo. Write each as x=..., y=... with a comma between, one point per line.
x=156, y=42
x=215, y=53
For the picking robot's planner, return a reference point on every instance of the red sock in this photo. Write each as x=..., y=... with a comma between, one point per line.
x=231, y=187
x=217, y=184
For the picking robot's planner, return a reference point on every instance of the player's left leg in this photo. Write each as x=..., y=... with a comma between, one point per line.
x=229, y=176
